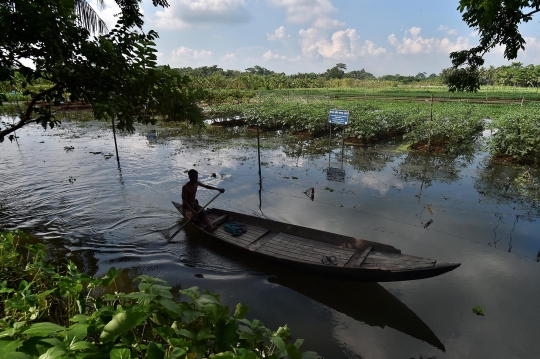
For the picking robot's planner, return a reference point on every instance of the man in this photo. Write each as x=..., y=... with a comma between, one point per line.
x=190, y=205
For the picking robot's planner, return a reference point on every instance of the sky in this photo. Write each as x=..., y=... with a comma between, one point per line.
x=383, y=37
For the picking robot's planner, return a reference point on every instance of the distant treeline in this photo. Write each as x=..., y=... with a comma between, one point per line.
x=260, y=78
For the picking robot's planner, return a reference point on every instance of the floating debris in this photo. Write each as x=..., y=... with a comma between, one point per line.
x=95, y=153
x=428, y=223
x=429, y=209
x=310, y=192
x=478, y=310
x=69, y=148
x=329, y=189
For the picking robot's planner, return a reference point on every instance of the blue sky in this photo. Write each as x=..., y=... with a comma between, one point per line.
x=290, y=36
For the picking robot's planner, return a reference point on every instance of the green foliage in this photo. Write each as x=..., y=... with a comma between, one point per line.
x=478, y=310
x=336, y=72
x=116, y=73
x=369, y=121
x=147, y=323
x=450, y=128
x=497, y=22
x=515, y=134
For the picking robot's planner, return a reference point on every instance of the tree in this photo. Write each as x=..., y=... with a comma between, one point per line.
x=336, y=72
x=360, y=75
x=257, y=70
x=116, y=73
x=497, y=22
x=88, y=17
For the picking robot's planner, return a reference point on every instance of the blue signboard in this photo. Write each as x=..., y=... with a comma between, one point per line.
x=335, y=174
x=339, y=117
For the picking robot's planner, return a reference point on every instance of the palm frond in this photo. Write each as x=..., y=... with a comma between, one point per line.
x=89, y=18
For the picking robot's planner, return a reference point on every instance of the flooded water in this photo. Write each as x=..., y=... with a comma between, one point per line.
x=457, y=209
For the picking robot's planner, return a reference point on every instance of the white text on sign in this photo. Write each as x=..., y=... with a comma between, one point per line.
x=339, y=117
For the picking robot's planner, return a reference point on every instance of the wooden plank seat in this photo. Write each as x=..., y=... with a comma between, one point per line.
x=358, y=257
x=253, y=233
x=288, y=246
x=403, y=262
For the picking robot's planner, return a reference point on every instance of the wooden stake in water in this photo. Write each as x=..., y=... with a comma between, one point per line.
x=115, y=144
x=260, y=173
x=430, y=122
x=259, y=153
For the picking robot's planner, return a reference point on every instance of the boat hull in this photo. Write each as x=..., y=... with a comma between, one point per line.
x=319, y=252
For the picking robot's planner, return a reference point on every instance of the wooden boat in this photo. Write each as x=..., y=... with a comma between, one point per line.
x=318, y=251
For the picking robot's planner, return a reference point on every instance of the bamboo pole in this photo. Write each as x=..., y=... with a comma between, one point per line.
x=115, y=143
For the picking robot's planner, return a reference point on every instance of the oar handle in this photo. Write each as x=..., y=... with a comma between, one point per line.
x=206, y=205
x=189, y=220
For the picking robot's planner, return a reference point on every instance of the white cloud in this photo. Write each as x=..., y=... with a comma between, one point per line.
x=184, y=54
x=344, y=44
x=418, y=45
x=304, y=11
x=370, y=49
x=531, y=43
x=187, y=13
x=415, y=31
x=279, y=34
x=228, y=58
x=447, y=30
x=269, y=55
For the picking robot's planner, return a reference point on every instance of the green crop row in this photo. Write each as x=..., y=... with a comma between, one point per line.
x=517, y=134
x=438, y=126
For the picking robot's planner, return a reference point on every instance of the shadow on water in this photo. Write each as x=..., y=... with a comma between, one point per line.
x=369, y=303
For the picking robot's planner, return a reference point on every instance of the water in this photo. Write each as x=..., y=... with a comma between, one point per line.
x=484, y=216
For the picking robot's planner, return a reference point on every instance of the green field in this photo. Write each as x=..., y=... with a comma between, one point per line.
x=395, y=91
x=441, y=125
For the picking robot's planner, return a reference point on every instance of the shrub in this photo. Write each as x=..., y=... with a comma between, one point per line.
x=51, y=313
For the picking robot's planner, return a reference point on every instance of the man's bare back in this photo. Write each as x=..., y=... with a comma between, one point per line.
x=190, y=205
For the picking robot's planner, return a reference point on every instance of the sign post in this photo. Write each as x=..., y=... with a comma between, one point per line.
x=338, y=117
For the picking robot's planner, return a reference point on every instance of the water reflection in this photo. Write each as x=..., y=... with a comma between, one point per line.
x=369, y=303
x=367, y=159
x=510, y=185
x=431, y=168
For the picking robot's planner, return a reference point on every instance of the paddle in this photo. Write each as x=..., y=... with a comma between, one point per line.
x=189, y=220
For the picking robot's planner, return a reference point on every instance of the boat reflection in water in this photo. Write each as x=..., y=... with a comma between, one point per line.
x=369, y=303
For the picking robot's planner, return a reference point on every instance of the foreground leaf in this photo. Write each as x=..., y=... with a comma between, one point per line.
x=43, y=329
x=121, y=323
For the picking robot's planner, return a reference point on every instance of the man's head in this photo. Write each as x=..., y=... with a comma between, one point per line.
x=193, y=175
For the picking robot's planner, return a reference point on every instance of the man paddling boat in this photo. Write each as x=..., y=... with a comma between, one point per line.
x=190, y=204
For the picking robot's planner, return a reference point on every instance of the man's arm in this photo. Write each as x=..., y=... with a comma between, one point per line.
x=211, y=187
